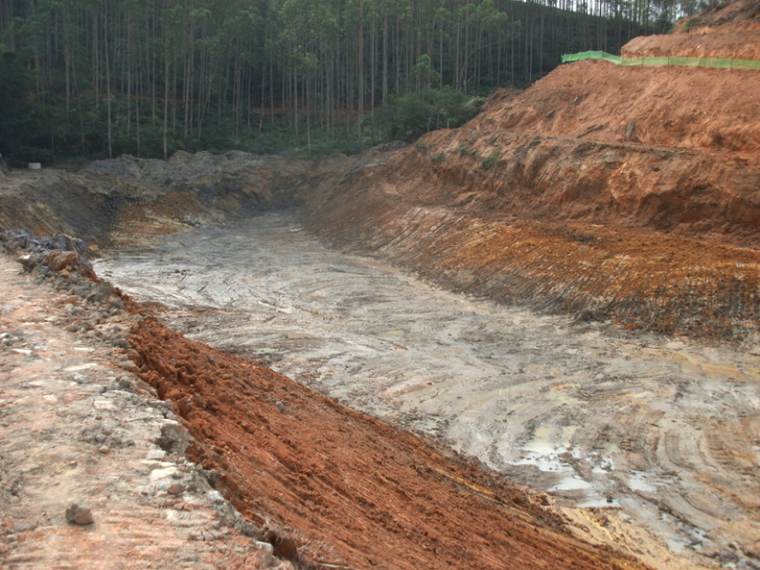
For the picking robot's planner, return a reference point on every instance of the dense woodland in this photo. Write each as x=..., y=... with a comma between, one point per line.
x=147, y=77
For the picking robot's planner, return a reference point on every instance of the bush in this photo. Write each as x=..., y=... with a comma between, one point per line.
x=490, y=160
x=408, y=117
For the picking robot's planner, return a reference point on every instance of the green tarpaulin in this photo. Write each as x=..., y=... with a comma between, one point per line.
x=660, y=61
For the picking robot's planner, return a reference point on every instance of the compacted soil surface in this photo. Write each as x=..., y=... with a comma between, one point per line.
x=318, y=485
x=76, y=426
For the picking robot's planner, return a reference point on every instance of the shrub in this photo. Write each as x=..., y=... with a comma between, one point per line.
x=490, y=160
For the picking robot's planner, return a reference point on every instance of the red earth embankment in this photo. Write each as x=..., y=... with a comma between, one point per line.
x=623, y=193
x=360, y=493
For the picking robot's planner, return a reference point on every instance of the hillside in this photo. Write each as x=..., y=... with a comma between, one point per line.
x=629, y=194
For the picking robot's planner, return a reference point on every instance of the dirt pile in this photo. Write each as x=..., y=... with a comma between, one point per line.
x=623, y=193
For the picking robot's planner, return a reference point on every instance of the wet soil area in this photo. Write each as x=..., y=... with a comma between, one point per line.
x=648, y=442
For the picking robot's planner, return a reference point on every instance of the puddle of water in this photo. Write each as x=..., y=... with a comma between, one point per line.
x=638, y=481
x=572, y=483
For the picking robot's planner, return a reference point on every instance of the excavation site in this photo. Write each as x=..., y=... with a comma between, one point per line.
x=529, y=342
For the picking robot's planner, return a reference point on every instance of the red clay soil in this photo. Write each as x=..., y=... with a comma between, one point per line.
x=636, y=278
x=360, y=493
x=675, y=107
x=623, y=193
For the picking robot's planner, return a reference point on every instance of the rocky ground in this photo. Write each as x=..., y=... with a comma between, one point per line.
x=78, y=427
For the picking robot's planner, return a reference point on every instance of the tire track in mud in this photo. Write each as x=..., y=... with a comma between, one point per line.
x=663, y=432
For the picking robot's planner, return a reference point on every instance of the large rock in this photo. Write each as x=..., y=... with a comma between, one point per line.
x=60, y=260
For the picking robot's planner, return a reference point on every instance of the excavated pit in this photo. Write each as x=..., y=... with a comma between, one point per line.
x=595, y=333
x=648, y=433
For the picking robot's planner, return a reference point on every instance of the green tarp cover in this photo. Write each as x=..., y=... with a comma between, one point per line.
x=660, y=61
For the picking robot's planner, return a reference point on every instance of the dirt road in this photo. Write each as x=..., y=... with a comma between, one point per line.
x=76, y=425
x=659, y=437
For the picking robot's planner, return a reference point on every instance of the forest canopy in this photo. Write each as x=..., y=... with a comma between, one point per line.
x=97, y=78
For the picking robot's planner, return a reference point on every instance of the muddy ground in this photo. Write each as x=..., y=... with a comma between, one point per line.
x=650, y=441
x=278, y=476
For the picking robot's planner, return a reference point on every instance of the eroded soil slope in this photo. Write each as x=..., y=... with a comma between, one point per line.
x=359, y=492
x=630, y=194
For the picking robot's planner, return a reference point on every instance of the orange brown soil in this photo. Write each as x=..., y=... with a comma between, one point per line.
x=622, y=193
x=359, y=493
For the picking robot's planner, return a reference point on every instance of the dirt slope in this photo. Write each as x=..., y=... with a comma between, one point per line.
x=360, y=494
x=630, y=194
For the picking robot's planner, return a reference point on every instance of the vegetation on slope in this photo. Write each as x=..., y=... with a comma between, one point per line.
x=147, y=77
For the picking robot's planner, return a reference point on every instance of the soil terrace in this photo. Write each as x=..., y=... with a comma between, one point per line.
x=618, y=193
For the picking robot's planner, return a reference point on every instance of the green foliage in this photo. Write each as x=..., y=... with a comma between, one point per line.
x=464, y=150
x=18, y=120
x=410, y=116
x=147, y=77
x=490, y=161
x=423, y=71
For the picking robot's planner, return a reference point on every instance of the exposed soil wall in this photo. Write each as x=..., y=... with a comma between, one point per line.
x=146, y=196
x=621, y=193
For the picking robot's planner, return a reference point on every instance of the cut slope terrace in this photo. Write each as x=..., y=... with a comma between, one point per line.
x=629, y=194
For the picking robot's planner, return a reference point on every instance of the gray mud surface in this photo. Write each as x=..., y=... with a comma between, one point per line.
x=640, y=431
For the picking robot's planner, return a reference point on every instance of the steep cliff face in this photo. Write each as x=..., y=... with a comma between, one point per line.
x=623, y=193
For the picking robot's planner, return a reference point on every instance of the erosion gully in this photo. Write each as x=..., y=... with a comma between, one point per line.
x=653, y=433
